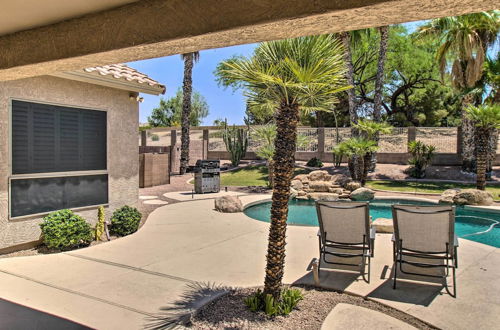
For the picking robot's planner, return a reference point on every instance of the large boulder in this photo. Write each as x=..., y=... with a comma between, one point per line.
x=323, y=196
x=228, y=204
x=473, y=197
x=301, y=177
x=362, y=194
x=447, y=196
x=297, y=184
x=320, y=186
x=353, y=185
x=336, y=190
x=341, y=179
x=319, y=175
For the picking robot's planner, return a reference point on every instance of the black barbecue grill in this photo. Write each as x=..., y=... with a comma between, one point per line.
x=206, y=176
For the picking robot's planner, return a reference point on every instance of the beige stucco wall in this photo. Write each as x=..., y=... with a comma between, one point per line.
x=122, y=144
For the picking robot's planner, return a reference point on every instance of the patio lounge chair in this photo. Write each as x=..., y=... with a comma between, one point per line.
x=345, y=234
x=424, y=237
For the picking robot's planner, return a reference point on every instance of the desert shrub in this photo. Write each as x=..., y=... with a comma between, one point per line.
x=421, y=157
x=289, y=299
x=314, y=162
x=125, y=221
x=155, y=137
x=65, y=230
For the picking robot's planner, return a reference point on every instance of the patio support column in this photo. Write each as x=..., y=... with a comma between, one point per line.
x=459, y=141
x=144, y=138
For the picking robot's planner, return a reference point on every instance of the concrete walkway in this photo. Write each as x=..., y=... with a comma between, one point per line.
x=124, y=284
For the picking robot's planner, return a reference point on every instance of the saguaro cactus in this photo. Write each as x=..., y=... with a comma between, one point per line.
x=236, y=141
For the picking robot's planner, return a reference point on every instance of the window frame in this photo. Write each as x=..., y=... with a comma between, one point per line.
x=51, y=174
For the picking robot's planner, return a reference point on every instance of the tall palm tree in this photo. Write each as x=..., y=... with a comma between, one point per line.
x=301, y=74
x=379, y=81
x=464, y=41
x=345, y=37
x=486, y=119
x=187, y=89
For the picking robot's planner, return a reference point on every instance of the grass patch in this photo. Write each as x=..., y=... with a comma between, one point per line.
x=428, y=187
x=251, y=176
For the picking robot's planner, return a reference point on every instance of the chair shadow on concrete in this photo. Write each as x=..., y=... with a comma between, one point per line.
x=410, y=289
x=15, y=316
x=331, y=277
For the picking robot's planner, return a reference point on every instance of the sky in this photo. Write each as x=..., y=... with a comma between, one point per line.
x=223, y=103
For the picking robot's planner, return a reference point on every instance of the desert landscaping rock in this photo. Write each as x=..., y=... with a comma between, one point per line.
x=228, y=204
x=301, y=177
x=447, y=196
x=336, y=190
x=383, y=225
x=473, y=197
x=323, y=196
x=297, y=184
x=353, y=185
x=320, y=186
x=362, y=194
x=319, y=175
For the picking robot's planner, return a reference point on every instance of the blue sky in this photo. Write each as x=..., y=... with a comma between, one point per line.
x=223, y=103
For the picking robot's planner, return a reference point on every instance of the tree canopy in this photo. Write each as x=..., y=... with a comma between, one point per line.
x=169, y=112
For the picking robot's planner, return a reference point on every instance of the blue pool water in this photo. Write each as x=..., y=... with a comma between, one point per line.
x=479, y=226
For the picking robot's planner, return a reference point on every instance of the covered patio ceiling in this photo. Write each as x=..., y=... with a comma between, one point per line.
x=65, y=37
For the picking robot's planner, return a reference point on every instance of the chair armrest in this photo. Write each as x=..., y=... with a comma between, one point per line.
x=373, y=232
x=455, y=240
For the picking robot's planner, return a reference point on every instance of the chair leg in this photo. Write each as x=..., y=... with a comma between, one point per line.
x=395, y=265
x=369, y=266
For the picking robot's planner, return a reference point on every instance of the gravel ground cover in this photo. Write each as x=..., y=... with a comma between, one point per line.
x=229, y=312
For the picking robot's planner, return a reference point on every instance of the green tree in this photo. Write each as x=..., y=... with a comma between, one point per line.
x=360, y=150
x=486, y=119
x=294, y=75
x=464, y=41
x=169, y=112
x=187, y=87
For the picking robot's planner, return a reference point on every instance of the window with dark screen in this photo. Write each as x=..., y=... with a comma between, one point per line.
x=49, y=144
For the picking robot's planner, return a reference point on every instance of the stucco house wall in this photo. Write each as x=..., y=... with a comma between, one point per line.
x=122, y=158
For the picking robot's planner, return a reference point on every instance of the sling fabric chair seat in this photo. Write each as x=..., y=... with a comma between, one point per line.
x=424, y=240
x=345, y=235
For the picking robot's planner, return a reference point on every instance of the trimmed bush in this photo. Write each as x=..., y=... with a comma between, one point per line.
x=65, y=230
x=125, y=221
x=155, y=137
x=314, y=162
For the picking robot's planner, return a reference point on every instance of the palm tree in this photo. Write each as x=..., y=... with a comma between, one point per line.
x=486, y=119
x=187, y=88
x=371, y=130
x=345, y=37
x=361, y=149
x=464, y=41
x=301, y=74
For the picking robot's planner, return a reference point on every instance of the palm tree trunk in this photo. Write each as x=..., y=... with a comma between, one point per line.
x=187, y=86
x=360, y=168
x=379, y=84
x=284, y=159
x=482, y=139
x=270, y=172
x=366, y=167
x=467, y=137
x=345, y=37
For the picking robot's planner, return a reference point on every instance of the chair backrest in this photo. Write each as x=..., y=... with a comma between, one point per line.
x=343, y=222
x=424, y=228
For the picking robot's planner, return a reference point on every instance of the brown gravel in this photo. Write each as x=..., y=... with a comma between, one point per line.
x=229, y=312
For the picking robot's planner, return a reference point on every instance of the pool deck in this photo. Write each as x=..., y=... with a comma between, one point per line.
x=125, y=283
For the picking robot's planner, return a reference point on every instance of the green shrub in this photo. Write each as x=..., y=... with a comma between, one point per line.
x=155, y=137
x=314, y=162
x=421, y=157
x=125, y=221
x=288, y=301
x=65, y=230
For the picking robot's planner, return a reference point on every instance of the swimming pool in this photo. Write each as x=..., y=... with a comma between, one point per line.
x=479, y=226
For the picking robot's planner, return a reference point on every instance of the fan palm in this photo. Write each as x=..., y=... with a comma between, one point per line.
x=187, y=89
x=486, y=119
x=301, y=74
x=361, y=149
x=371, y=130
x=464, y=41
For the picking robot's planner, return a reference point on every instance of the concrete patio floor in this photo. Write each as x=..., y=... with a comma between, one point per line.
x=124, y=284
